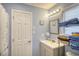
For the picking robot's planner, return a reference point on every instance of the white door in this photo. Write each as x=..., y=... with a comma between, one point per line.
x=21, y=33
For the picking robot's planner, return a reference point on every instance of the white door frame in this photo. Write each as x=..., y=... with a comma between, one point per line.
x=4, y=15
x=12, y=23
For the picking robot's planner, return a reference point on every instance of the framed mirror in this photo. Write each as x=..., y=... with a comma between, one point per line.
x=53, y=26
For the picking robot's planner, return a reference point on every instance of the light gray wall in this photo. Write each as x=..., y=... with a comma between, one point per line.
x=38, y=31
x=69, y=14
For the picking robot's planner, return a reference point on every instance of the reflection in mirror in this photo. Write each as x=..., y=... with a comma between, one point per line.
x=53, y=26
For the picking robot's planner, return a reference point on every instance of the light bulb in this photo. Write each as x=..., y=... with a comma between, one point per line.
x=54, y=12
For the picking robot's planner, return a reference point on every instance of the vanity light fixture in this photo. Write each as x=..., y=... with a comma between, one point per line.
x=50, y=14
x=54, y=12
x=57, y=10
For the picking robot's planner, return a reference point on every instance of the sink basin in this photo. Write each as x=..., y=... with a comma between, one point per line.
x=51, y=43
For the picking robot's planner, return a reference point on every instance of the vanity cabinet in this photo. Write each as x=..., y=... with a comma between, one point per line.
x=47, y=49
x=42, y=49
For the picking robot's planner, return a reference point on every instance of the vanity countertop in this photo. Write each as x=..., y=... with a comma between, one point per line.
x=52, y=44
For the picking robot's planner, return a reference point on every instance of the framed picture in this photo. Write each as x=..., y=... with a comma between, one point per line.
x=53, y=26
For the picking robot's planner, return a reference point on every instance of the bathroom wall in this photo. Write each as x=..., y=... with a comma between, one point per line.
x=38, y=30
x=69, y=14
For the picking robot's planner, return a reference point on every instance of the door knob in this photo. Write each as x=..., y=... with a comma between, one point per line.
x=13, y=40
x=29, y=41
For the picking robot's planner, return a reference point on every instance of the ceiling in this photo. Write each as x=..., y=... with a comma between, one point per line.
x=43, y=5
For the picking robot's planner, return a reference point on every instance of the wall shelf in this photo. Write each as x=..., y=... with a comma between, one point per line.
x=71, y=22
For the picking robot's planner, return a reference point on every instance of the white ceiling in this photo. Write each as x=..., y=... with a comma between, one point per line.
x=43, y=5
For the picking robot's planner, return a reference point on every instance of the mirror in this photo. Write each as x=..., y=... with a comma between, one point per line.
x=53, y=26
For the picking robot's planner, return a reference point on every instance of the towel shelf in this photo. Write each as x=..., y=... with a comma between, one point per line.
x=71, y=22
